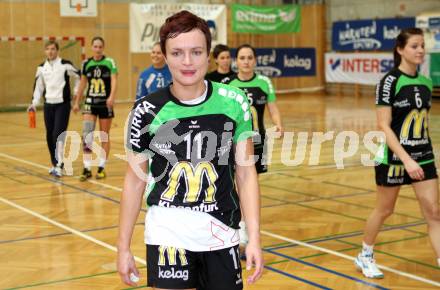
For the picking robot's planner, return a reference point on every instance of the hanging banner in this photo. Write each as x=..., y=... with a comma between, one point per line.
x=430, y=24
x=78, y=8
x=357, y=68
x=434, y=68
x=283, y=62
x=146, y=20
x=266, y=19
x=378, y=34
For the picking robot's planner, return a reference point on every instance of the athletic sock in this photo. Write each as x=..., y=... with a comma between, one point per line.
x=366, y=249
x=102, y=162
x=87, y=161
x=438, y=261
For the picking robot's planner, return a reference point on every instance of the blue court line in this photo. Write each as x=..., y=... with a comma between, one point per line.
x=60, y=234
x=327, y=270
x=350, y=235
x=297, y=278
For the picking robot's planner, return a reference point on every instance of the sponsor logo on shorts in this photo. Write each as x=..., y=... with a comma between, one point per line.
x=174, y=274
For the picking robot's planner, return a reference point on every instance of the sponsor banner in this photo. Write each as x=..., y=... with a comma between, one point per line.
x=379, y=34
x=283, y=62
x=78, y=8
x=434, y=68
x=266, y=19
x=430, y=24
x=146, y=20
x=357, y=68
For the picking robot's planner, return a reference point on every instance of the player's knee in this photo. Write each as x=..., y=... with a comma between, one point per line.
x=88, y=129
x=385, y=212
x=432, y=213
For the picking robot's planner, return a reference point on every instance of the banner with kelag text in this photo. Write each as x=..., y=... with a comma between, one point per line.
x=146, y=20
x=284, y=62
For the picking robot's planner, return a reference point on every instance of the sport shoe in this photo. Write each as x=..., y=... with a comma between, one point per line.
x=52, y=170
x=367, y=265
x=58, y=172
x=101, y=173
x=86, y=174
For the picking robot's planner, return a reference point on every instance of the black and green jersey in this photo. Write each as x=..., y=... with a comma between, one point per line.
x=410, y=100
x=259, y=91
x=98, y=75
x=191, y=149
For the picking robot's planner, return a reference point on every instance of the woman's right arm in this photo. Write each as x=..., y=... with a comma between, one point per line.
x=130, y=206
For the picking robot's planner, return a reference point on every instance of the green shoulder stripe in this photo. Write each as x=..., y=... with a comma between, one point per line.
x=406, y=81
x=225, y=100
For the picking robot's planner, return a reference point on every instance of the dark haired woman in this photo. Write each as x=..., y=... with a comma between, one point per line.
x=100, y=74
x=197, y=151
x=222, y=57
x=403, y=101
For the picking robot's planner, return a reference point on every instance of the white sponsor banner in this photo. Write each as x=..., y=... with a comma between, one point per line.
x=78, y=8
x=357, y=68
x=430, y=24
x=146, y=20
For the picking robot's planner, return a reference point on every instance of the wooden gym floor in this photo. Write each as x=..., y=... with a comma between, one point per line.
x=60, y=234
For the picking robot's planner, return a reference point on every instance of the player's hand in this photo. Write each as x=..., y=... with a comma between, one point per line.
x=414, y=170
x=127, y=267
x=109, y=103
x=280, y=130
x=75, y=108
x=254, y=258
x=31, y=108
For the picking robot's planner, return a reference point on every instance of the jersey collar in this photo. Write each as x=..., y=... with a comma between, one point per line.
x=176, y=100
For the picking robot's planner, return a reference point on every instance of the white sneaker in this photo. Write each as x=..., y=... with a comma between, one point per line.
x=52, y=170
x=367, y=265
x=58, y=172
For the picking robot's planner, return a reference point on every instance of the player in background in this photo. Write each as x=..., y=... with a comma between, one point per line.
x=155, y=77
x=260, y=93
x=403, y=99
x=52, y=81
x=99, y=74
x=222, y=57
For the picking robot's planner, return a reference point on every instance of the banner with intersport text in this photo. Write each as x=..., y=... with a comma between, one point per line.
x=266, y=19
x=146, y=20
x=357, y=68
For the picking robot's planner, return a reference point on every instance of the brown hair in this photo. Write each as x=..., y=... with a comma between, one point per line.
x=52, y=42
x=219, y=48
x=246, y=46
x=181, y=22
x=98, y=38
x=402, y=40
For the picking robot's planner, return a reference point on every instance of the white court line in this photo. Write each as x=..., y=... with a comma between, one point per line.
x=321, y=249
x=266, y=233
x=69, y=229
x=47, y=168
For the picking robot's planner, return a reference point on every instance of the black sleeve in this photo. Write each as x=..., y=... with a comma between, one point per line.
x=386, y=89
x=138, y=134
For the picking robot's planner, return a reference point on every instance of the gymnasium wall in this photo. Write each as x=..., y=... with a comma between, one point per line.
x=41, y=18
x=337, y=10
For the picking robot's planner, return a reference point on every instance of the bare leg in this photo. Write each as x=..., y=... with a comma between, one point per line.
x=385, y=201
x=427, y=194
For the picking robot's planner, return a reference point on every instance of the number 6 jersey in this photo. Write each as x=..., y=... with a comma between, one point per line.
x=191, y=160
x=410, y=100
